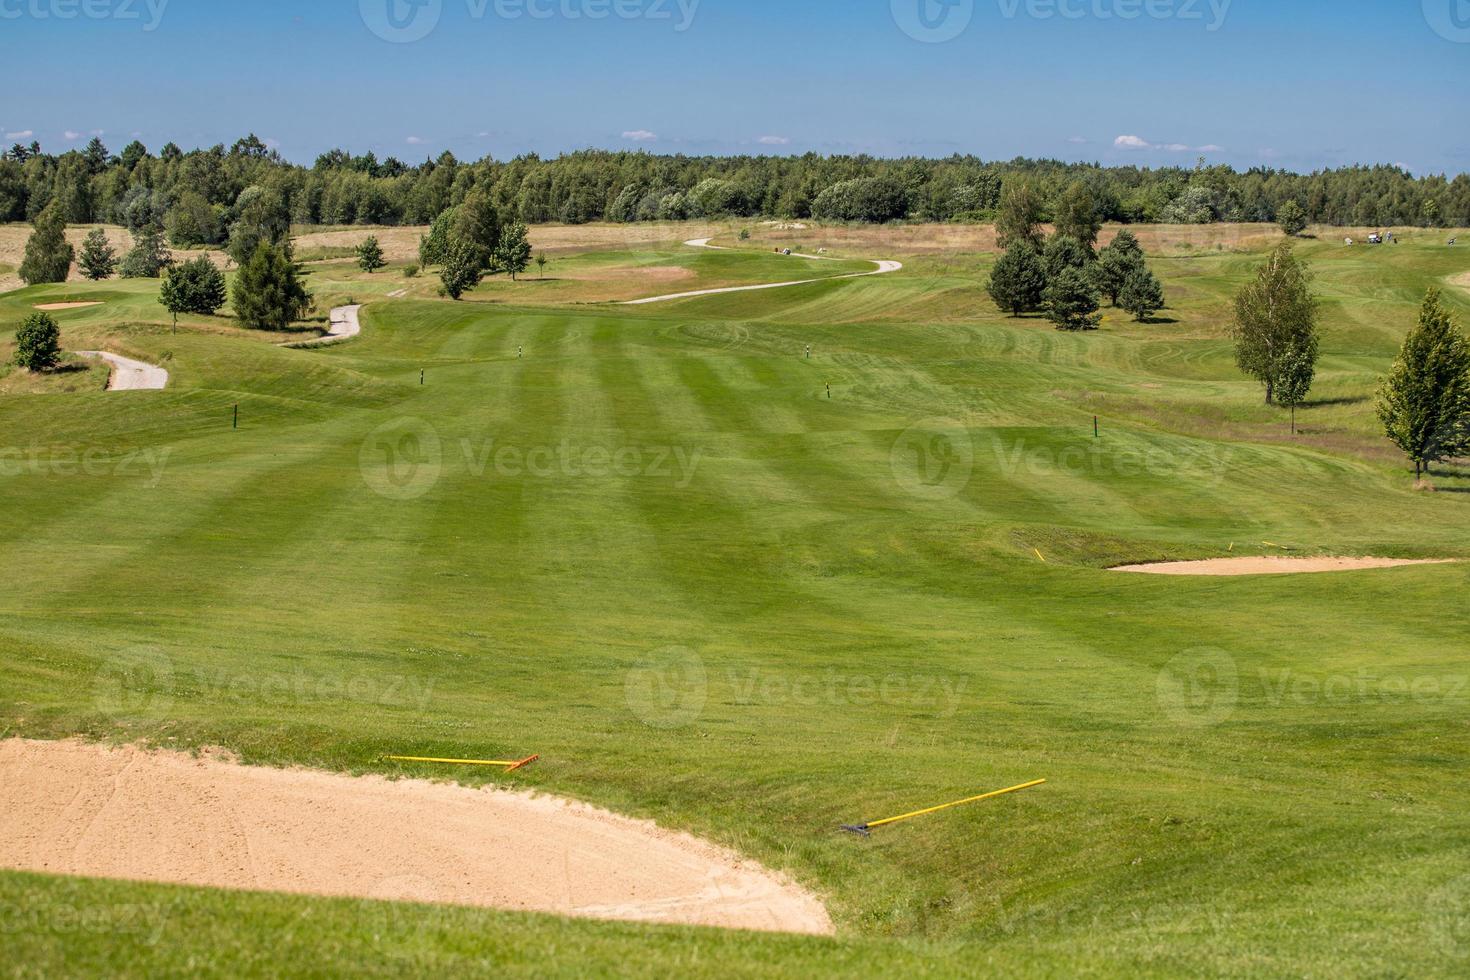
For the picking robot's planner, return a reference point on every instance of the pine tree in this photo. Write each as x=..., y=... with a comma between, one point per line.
x=1120, y=259
x=270, y=292
x=1018, y=280
x=1275, y=314
x=1142, y=294
x=1070, y=302
x=1065, y=252
x=1424, y=403
x=370, y=255
x=48, y=254
x=98, y=260
x=38, y=343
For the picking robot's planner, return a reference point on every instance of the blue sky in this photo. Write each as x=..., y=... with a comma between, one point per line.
x=1292, y=83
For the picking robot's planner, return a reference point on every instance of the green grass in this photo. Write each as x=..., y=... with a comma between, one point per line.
x=868, y=643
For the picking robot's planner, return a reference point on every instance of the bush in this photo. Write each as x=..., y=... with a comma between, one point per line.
x=38, y=343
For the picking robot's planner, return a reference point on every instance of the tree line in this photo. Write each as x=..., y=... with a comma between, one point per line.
x=199, y=195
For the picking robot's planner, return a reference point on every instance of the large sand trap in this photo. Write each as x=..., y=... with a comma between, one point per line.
x=1272, y=566
x=77, y=809
x=53, y=307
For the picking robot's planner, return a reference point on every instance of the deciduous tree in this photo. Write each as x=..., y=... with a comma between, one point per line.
x=1275, y=316
x=48, y=254
x=38, y=343
x=1424, y=403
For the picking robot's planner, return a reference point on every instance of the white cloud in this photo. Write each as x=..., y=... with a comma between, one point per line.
x=415, y=141
x=24, y=134
x=1078, y=140
x=72, y=134
x=640, y=136
x=1139, y=143
x=773, y=141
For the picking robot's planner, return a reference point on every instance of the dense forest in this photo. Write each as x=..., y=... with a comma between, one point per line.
x=196, y=196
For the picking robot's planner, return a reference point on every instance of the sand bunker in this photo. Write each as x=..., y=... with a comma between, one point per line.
x=53, y=307
x=1273, y=566
x=77, y=809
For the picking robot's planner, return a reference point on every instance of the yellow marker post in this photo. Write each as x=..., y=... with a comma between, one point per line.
x=507, y=766
x=1039, y=555
x=864, y=828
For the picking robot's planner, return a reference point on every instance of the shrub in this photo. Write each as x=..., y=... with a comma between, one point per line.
x=38, y=343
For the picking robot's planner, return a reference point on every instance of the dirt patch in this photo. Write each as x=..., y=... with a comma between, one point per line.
x=52, y=307
x=77, y=809
x=1274, y=565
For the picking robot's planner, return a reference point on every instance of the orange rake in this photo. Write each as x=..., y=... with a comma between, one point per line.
x=507, y=766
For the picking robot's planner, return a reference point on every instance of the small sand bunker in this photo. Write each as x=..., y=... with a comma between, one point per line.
x=1273, y=566
x=71, y=808
x=53, y=307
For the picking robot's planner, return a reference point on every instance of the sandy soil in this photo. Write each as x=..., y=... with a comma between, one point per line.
x=402, y=244
x=1272, y=566
x=77, y=809
x=53, y=307
x=130, y=375
x=341, y=325
x=884, y=266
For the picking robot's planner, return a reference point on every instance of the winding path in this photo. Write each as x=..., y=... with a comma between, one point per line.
x=343, y=325
x=130, y=375
x=884, y=266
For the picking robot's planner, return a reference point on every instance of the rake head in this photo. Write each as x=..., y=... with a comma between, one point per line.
x=523, y=763
x=860, y=829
